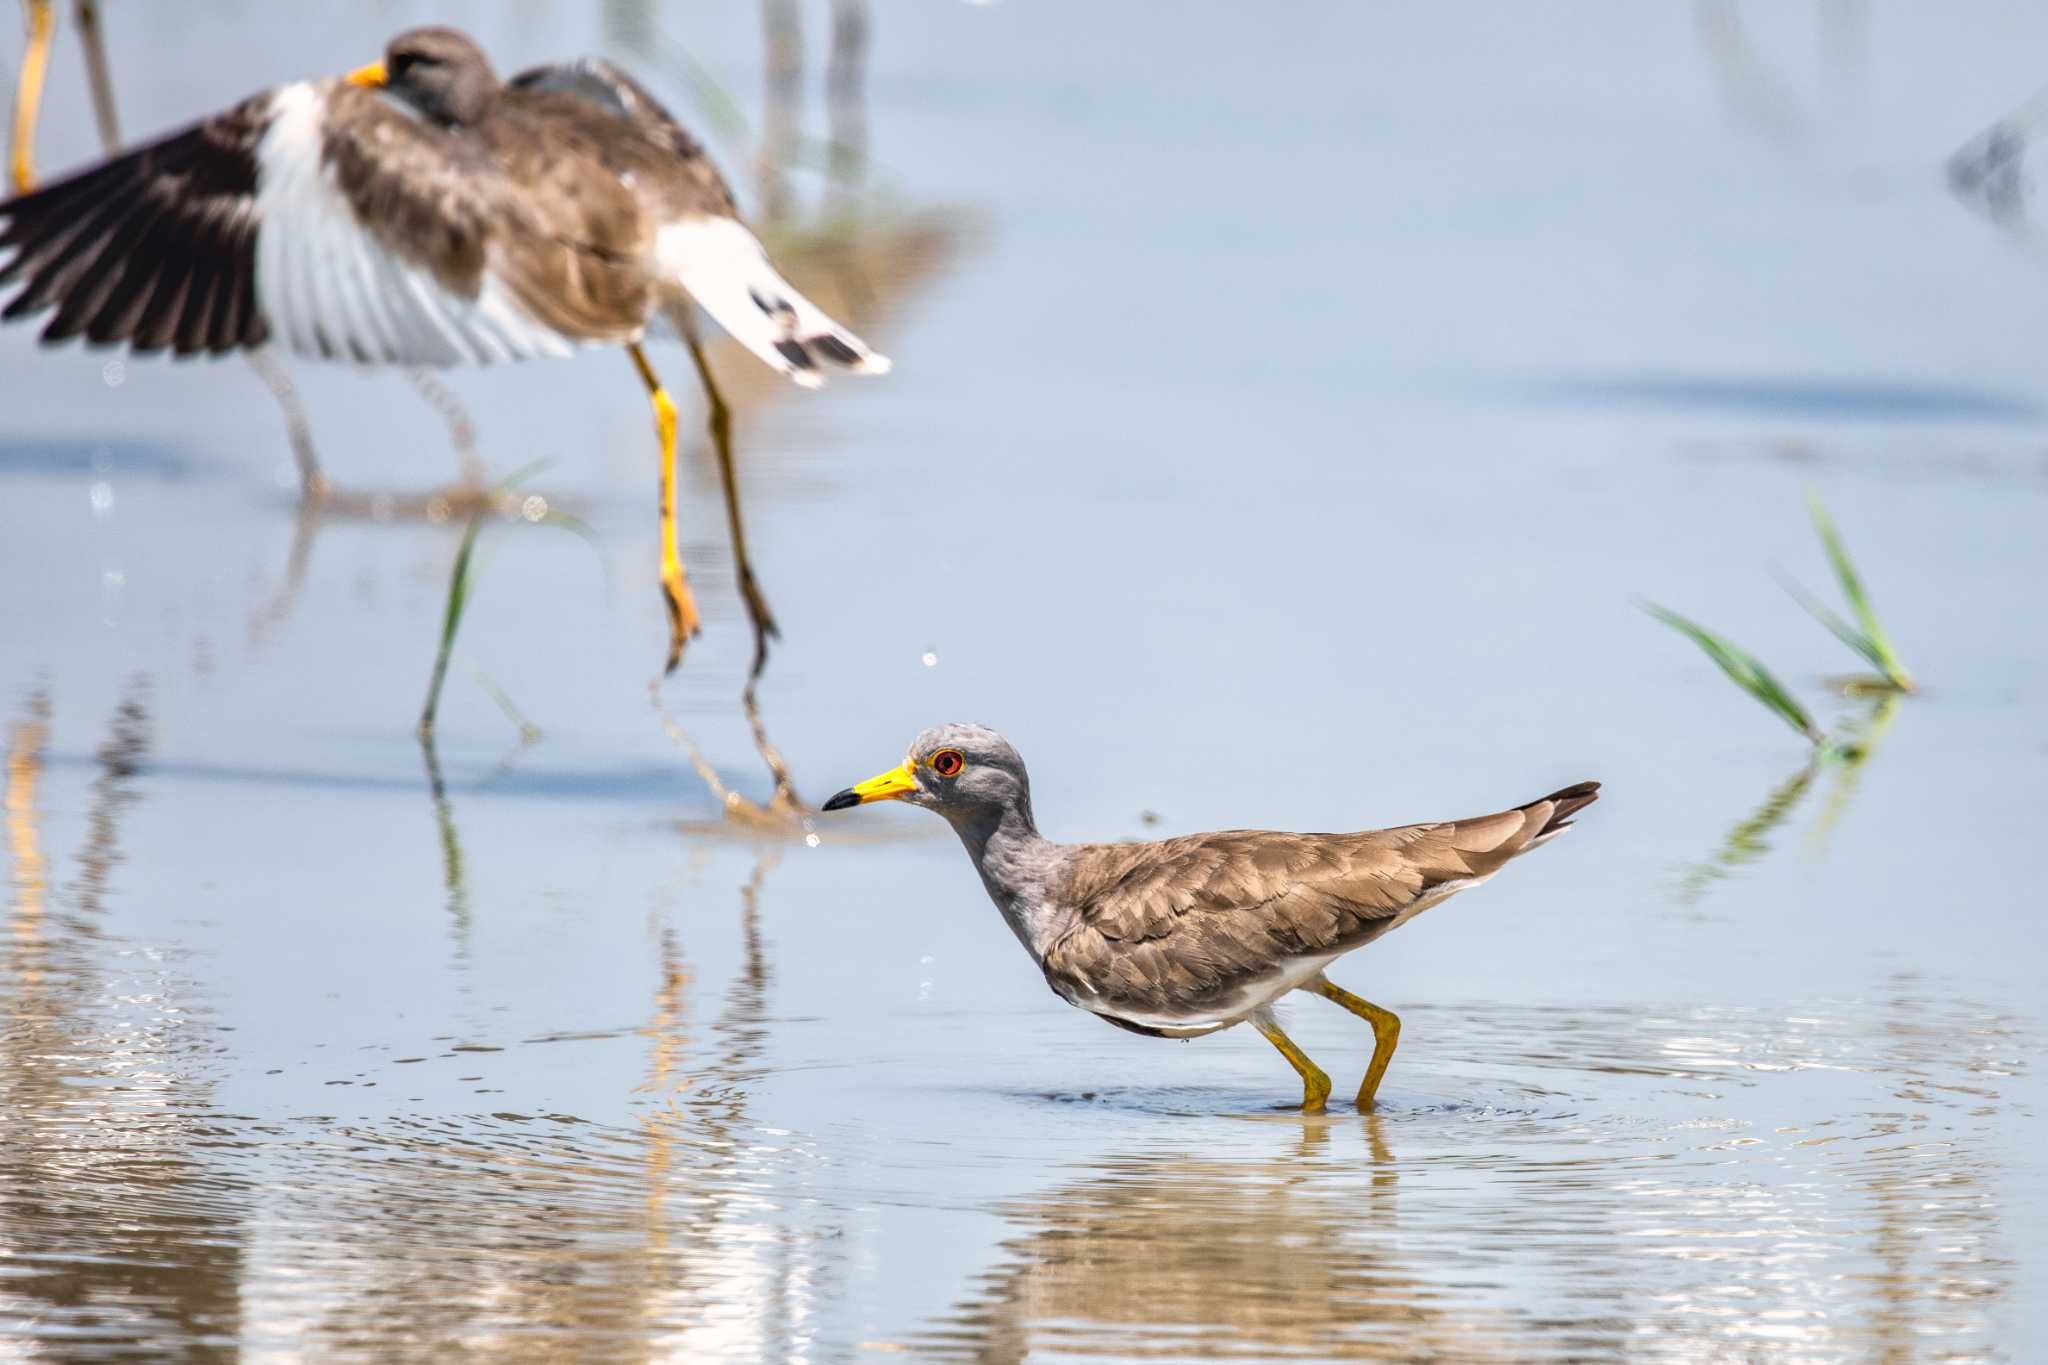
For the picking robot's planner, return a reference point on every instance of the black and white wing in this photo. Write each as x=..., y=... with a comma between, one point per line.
x=314, y=216
x=155, y=248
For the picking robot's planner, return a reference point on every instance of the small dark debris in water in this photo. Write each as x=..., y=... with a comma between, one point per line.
x=402, y=1061
x=275, y=1071
x=1148, y=817
x=469, y=1078
x=475, y=1047
x=337, y=1082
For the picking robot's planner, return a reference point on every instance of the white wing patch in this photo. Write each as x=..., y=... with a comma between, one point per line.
x=329, y=288
x=725, y=269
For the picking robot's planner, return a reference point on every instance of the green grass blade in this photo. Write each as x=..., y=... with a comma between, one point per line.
x=1841, y=629
x=1879, y=649
x=451, y=619
x=459, y=587
x=1744, y=669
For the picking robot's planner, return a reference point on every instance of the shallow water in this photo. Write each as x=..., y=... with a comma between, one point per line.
x=1287, y=416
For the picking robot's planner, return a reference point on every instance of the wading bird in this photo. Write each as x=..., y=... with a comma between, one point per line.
x=1189, y=936
x=420, y=211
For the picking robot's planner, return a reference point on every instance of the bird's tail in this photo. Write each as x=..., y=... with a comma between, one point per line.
x=1562, y=806
x=724, y=268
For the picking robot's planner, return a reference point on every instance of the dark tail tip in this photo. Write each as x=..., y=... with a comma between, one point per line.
x=834, y=350
x=1567, y=802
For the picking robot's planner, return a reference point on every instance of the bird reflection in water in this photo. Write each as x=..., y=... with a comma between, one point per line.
x=24, y=843
x=116, y=1226
x=1288, y=1254
x=113, y=789
x=663, y=1238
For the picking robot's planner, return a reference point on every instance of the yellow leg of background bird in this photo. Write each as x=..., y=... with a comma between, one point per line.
x=675, y=586
x=28, y=96
x=1386, y=1035
x=1315, y=1082
x=765, y=628
x=785, y=799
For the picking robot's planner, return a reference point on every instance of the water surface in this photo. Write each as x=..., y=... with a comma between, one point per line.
x=1288, y=414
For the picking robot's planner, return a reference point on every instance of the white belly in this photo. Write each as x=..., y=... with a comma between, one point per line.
x=1260, y=990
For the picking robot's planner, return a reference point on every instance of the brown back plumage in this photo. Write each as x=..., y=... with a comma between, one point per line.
x=690, y=183
x=1183, y=925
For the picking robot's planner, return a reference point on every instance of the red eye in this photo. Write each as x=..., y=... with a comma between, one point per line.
x=948, y=763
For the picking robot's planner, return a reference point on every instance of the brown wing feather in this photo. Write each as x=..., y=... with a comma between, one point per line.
x=1184, y=924
x=590, y=189
x=690, y=184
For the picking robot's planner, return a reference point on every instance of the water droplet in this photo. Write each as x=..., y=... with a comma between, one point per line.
x=102, y=498
x=811, y=841
x=931, y=660
x=534, y=508
x=114, y=373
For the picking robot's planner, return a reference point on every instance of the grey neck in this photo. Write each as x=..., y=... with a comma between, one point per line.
x=1017, y=866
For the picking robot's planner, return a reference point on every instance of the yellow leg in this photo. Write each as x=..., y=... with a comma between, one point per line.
x=1315, y=1083
x=763, y=620
x=28, y=96
x=675, y=587
x=1386, y=1035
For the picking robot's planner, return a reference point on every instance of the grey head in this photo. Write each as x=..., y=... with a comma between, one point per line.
x=439, y=72
x=967, y=773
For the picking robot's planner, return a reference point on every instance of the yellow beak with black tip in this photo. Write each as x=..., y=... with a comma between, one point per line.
x=893, y=785
x=373, y=75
